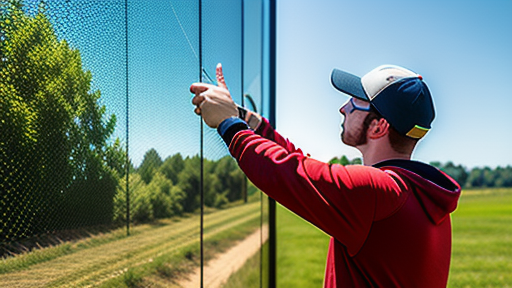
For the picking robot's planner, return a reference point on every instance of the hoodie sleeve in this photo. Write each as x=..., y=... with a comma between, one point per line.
x=266, y=131
x=339, y=200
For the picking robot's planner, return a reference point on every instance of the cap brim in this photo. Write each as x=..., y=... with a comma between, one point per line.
x=348, y=83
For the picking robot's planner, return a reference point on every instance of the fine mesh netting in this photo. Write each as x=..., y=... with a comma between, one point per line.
x=97, y=131
x=61, y=159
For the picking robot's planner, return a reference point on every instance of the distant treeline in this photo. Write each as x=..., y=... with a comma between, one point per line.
x=165, y=188
x=475, y=178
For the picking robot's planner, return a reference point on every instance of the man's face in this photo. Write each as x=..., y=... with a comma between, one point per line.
x=355, y=112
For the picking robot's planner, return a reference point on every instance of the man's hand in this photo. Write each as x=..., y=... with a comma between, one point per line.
x=214, y=103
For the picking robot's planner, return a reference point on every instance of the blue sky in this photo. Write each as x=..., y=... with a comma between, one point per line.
x=463, y=50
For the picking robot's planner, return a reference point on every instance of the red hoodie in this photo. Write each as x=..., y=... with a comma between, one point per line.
x=389, y=224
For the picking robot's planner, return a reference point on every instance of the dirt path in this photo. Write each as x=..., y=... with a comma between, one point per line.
x=97, y=264
x=218, y=270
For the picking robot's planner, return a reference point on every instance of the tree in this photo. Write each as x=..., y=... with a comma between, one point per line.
x=165, y=198
x=343, y=160
x=54, y=146
x=150, y=165
x=189, y=181
x=141, y=209
x=172, y=166
x=230, y=177
x=457, y=172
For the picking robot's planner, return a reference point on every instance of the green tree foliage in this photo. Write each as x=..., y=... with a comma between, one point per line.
x=504, y=178
x=56, y=163
x=172, y=166
x=457, y=172
x=160, y=198
x=189, y=181
x=230, y=177
x=150, y=165
x=343, y=160
x=487, y=177
x=477, y=177
x=175, y=188
x=165, y=198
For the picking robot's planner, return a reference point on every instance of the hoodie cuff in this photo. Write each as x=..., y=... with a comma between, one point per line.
x=229, y=127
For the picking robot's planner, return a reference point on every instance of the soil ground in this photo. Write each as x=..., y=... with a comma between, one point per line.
x=218, y=270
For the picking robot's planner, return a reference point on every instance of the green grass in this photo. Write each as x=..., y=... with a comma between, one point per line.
x=164, y=249
x=301, y=251
x=482, y=239
x=481, y=252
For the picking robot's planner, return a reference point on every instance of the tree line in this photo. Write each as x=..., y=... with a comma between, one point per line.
x=477, y=177
x=165, y=188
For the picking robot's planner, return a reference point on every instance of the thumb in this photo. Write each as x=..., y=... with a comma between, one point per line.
x=221, y=82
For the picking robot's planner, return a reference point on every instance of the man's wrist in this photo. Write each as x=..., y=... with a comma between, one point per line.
x=229, y=127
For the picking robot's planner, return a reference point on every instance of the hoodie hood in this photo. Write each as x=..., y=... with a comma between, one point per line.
x=437, y=192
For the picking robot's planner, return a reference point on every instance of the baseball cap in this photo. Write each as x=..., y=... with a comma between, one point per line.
x=398, y=94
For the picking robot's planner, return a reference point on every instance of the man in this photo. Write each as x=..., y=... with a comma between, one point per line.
x=389, y=219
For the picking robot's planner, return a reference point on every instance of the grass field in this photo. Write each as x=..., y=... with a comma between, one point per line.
x=482, y=239
x=161, y=250
x=481, y=252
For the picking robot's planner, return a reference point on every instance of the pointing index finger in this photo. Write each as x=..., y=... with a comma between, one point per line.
x=221, y=82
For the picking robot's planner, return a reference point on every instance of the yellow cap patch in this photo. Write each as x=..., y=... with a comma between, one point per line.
x=417, y=132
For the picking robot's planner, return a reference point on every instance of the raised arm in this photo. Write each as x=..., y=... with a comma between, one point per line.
x=341, y=201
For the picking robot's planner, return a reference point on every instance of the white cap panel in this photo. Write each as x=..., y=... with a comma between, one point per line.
x=379, y=78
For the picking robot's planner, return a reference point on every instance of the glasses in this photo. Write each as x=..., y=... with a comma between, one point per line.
x=350, y=106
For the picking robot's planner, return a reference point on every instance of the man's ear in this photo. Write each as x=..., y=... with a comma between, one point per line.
x=378, y=128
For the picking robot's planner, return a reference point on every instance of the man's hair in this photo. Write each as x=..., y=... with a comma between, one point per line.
x=399, y=143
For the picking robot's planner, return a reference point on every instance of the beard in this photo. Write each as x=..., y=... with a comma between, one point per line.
x=357, y=137
x=354, y=138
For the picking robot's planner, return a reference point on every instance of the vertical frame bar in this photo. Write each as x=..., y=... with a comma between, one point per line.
x=272, y=120
x=127, y=122
x=201, y=145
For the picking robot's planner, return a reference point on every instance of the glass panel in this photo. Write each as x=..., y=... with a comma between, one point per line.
x=227, y=219
x=100, y=154
x=253, y=100
x=63, y=141
x=163, y=42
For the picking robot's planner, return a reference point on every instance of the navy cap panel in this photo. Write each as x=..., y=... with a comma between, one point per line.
x=414, y=106
x=348, y=83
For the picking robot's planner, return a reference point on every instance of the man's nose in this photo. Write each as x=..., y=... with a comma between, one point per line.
x=342, y=109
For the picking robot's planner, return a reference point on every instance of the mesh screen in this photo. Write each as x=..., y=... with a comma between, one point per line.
x=62, y=115
x=103, y=164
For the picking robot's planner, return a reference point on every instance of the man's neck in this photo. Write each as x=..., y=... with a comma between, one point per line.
x=372, y=155
x=375, y=160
